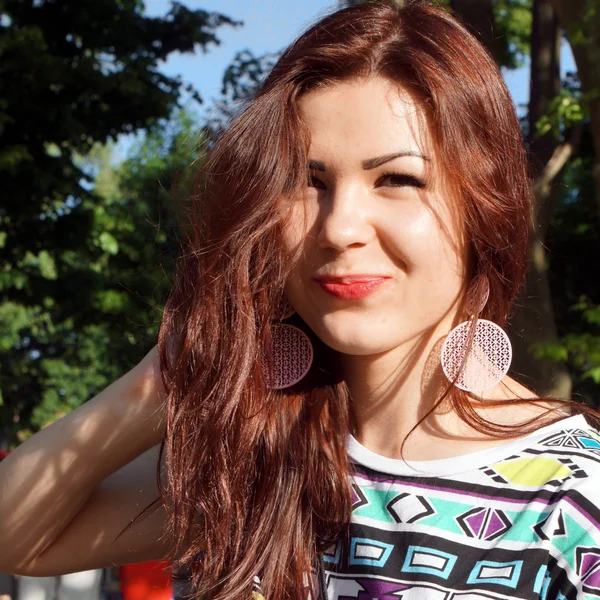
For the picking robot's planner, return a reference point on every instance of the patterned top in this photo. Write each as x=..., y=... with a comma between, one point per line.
x=520, y=520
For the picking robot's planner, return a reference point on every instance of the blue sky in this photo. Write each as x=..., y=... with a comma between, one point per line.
x=269, y=26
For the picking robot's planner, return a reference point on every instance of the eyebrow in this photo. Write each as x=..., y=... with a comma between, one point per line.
x=371, y=163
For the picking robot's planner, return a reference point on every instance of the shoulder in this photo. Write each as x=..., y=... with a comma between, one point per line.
x=545, y=492
x=572, y=445
x=562, y=457
x=565, y=466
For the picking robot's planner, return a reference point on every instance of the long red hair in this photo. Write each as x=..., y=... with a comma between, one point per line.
x=268, y=470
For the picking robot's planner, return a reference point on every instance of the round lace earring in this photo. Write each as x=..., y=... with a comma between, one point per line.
x=292, y=350
x=490, y=355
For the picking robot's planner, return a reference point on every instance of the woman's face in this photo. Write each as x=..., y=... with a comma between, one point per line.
x=383, y=259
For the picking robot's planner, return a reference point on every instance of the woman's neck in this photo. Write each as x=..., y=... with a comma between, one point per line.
x=393, y=392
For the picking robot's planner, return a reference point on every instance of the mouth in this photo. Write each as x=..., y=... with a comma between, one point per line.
x=352, y=287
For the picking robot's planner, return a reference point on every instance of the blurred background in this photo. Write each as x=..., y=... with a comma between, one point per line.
x=108, y=106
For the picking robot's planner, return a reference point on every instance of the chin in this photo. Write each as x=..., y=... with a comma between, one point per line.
x=353, y=339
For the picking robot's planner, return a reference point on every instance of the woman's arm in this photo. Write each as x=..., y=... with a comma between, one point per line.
x=68, y=491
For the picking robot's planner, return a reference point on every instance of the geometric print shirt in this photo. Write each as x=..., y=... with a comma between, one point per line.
x=517, y=521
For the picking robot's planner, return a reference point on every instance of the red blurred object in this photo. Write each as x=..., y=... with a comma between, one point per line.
x=150, y=580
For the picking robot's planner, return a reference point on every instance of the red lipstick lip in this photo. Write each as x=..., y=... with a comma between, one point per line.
x=352, y=287
x=345, y=279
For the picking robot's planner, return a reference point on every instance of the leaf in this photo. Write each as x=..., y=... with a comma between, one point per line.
x=47, y=265
x=549, y=351
x=108, y=243
x=592, y=315
x=564, y=110
x=593, y=374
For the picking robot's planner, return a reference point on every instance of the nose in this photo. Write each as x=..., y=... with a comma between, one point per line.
x=344, y=219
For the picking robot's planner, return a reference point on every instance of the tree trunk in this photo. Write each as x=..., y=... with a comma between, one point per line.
x=533, y=319
x=581, y=19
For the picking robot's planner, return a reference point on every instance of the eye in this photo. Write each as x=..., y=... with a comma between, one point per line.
x=395, y=180
x=402, y=179
x=315, y=182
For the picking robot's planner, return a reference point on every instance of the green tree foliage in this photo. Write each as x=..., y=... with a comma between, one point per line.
x=513, y=28
x=135, y=221
x=75, y=73
x=573, y=242
x=573, y=237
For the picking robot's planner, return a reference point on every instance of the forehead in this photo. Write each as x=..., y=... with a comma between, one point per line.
x=364, y=117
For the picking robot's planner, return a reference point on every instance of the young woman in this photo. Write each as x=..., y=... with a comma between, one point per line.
x=336, y=411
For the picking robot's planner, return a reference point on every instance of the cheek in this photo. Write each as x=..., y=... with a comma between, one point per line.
x=426, y=242
x=297, y=227
x=297, y=237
